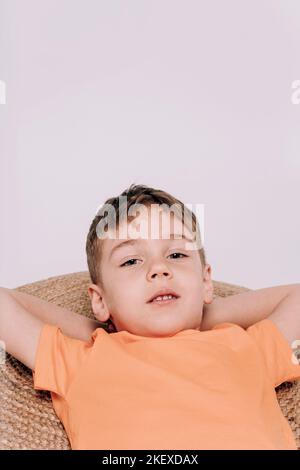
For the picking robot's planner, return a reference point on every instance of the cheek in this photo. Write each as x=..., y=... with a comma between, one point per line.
x=191, y=276
x=195, y=288
x=126, y=296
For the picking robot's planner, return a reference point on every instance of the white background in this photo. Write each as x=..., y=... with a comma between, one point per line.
x=193, y=97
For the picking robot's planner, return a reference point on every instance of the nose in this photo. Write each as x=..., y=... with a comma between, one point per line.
x=159, y=270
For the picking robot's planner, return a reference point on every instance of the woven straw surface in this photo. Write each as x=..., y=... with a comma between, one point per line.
x=28, y=420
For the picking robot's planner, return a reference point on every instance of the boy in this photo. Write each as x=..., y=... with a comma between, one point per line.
x=179, y=370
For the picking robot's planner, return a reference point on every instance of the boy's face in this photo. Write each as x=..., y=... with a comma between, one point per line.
x=133, y=273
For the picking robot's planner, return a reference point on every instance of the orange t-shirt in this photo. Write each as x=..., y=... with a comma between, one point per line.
x=194, y=390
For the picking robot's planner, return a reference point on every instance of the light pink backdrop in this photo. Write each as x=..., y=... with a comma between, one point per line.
x=193, y=97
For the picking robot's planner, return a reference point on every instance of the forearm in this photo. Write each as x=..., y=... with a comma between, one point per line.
x=245, y=308
x=71, y=324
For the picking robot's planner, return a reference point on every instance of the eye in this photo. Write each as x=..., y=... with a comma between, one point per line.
x=134, y=259
x=125, y=264
x=177, y=253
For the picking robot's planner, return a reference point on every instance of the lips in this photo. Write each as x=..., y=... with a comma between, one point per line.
x=165, y=291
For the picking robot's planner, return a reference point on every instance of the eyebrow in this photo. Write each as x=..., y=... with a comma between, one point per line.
x=133, y=241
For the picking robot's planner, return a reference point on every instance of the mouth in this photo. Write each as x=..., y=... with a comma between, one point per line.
x=163, y=297
x=162, y=302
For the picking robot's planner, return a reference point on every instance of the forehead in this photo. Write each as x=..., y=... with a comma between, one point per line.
x=155, y=222
x=151, y=223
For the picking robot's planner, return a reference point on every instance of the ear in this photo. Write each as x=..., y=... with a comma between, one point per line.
x=208, y=285
x=99, y=305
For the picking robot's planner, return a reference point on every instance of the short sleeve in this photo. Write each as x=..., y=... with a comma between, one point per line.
x=280, y=360
x=58, y=360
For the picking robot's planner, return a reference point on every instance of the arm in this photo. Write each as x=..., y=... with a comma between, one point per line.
x=19, y=330
x=249, y=307
x=286, y=316
x=71, y=324
x=22, y=317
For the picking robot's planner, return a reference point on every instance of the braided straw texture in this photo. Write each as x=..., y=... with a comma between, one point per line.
x=27, y=417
